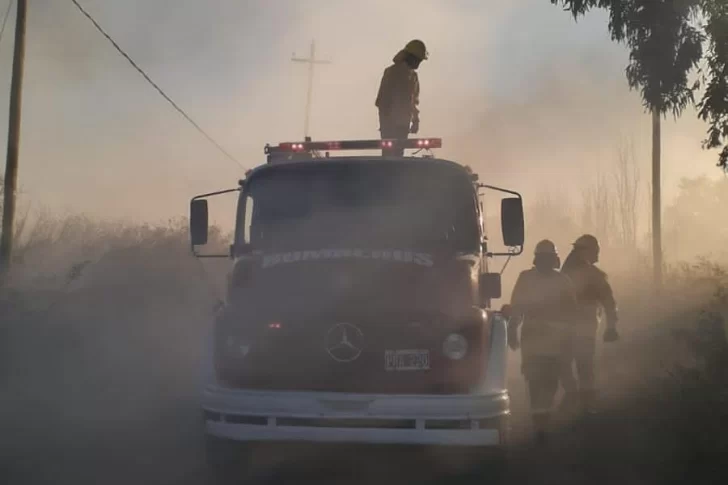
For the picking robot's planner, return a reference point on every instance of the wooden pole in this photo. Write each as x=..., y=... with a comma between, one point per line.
x=311, y=61
x=309, y=94
x=11, y=164
x=656, y=200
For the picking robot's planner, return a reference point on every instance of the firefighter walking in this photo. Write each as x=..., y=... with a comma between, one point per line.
x=592, y=290
x=544, y=301
x=399, y=96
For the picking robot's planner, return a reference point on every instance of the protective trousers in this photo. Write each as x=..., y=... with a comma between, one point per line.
x=393, y=130
x=542, y=376
x=582, y=351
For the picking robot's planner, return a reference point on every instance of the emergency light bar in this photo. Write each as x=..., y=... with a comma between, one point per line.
x=307, y=146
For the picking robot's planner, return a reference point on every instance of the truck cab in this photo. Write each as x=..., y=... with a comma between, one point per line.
x=358, y=306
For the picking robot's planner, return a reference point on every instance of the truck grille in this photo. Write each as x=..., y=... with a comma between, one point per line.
x=305, y=357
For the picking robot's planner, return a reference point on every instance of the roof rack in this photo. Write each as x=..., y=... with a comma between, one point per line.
x=307, y=150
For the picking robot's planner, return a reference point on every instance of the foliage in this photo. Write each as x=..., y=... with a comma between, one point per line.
x=117, y=344
x=627, y=191
x=665, y=39
x=693, y=226
x=599, y=216
x=610, y=208
x=544, y=213
x=714, y=105
x=698, y=403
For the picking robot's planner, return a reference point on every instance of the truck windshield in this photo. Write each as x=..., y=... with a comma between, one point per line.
x=361, y=205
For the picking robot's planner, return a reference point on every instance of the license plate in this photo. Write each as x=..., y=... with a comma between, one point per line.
x=406, y=360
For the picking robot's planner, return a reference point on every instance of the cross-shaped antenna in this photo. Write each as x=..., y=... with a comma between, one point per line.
x=311, y=61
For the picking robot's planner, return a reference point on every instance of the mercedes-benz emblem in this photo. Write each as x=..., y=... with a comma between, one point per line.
x=344, y=342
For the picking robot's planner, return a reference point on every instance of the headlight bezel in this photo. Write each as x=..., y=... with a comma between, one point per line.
x=455, y=346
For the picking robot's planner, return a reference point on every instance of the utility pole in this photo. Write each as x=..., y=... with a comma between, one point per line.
x=656, y=200
x=11, y=165
x=311, y=61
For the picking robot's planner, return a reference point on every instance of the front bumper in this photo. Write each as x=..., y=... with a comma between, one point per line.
x=462, y=420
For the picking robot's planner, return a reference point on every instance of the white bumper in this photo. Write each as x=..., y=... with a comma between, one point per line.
x=467, y=420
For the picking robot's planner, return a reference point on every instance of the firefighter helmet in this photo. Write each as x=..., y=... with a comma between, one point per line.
x=417, y=48
x=587, y=241
x=546, y=246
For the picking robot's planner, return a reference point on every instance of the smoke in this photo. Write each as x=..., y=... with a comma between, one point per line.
x=517, y=90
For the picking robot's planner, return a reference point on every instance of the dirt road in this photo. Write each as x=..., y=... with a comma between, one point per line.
x=161, y=443
x=114, y=403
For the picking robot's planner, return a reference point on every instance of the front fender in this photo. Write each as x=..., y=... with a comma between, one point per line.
x=497, y=375
x=208, y=375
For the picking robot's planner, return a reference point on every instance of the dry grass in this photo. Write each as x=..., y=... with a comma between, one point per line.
x=101, y=329
x=102, y=326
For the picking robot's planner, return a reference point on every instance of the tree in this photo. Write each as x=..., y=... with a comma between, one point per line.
x=547, y=211
x=714, y=105
x=665, y=39
x=598, y=206
x=626, y=187
x=693, y=225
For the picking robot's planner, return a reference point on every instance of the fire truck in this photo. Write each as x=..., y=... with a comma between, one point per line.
x=358, y=306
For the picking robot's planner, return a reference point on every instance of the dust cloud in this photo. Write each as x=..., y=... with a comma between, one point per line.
x=517, y=90
x=103, y=324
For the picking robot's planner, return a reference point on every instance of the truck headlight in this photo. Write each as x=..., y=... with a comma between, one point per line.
x=455, y=346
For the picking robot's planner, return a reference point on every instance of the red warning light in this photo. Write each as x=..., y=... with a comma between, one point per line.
x=274, y=325
x=408, y=143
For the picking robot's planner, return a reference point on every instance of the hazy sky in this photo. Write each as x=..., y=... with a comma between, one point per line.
x=517, y=89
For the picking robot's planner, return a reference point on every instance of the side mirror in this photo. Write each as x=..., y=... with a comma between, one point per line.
x=512, y=224
x=198, y=222
x=489, y=286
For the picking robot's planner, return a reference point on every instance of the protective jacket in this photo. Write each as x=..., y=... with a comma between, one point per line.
x=398, y=97
x=545, y=301
x=592, y=289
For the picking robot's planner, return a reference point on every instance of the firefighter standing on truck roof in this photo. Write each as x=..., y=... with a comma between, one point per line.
x=544, y=300
x=399, y=96
x=592, y=289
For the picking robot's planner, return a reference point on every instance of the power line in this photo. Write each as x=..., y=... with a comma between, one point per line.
x=155, y=85
x=5, y=18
